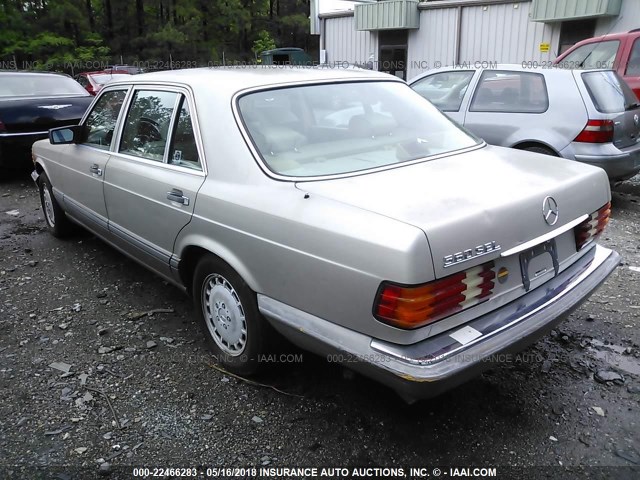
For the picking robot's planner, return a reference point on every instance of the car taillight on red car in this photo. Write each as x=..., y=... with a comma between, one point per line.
x=596, y=131
x=592, y=227
x=411, y=307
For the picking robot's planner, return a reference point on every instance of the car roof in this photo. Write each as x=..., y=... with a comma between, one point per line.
x=516, y=67
x=234, y=79
x=610, y=36
x=29, y=72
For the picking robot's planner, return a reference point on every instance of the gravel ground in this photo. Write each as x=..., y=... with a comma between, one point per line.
x=102, y=369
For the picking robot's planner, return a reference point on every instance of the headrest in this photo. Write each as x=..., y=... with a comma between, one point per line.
x=371, y=125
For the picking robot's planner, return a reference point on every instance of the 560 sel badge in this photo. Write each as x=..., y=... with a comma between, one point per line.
x=470, y=253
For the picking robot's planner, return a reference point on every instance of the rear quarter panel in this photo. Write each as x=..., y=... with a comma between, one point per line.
x=315, y=254
x=563, y=120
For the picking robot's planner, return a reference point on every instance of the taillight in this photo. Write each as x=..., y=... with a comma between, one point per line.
x=596, y=131
x=593, y=226
x=415, y=306
x=2, y=127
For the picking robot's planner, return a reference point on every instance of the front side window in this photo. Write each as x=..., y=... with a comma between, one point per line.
x=510, y=91
x=341, y=128
x=445, y=90
x=101, y=122
x=146, y=125
x=592, y=55
x=633, y=66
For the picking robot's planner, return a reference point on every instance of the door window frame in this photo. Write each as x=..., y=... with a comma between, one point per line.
x=116, y=127
x=126, y=104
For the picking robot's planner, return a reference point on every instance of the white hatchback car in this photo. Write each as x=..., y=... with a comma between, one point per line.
x=587, y=115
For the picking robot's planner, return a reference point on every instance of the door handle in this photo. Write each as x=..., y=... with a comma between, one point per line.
x=176, y=195
x=96, y=170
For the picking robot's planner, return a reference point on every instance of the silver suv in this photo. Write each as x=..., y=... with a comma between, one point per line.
x=587, y=115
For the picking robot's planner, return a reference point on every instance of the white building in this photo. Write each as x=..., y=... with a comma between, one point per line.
x=407, y=37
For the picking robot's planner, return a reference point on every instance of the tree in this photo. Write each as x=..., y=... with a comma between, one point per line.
x=263, y=42
x=65, y=34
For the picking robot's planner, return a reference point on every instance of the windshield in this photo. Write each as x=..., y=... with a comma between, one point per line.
x=610, y=94
x=592, y=55
x=108, y=77
x=346, y=127
x=39, y=85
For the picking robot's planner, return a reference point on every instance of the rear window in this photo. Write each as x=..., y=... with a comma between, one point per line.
x=592, y=55
x=39, y=85
x=610, y=94
x=335, y=129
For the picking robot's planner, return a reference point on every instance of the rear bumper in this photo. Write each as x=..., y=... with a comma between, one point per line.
x=439, y=363
x=619, y=164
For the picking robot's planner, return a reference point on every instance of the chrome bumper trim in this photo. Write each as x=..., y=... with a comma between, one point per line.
x=23, y=134
x=437, y=363
x=532, y=306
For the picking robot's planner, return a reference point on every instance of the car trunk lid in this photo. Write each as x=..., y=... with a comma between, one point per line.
x=23, y=115
x=486, y=201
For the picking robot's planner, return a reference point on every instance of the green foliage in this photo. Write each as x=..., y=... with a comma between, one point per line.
x=263, y=42
x=74, y=35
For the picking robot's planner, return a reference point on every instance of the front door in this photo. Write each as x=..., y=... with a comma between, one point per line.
x=84, y=166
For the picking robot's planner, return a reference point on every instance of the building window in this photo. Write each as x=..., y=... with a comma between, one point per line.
x=574, y=31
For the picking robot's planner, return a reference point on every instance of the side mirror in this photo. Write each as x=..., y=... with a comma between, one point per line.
x=66, y=135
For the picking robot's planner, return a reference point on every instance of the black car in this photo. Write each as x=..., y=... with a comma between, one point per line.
x=30, y=104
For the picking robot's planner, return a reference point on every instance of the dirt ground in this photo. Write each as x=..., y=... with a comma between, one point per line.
x=103, y=369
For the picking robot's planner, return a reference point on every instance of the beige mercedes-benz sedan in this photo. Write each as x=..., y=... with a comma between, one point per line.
x=336, y=207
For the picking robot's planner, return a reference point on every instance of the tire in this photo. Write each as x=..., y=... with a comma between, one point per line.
x=57, y=222
x=541, y=149
x=228, y=314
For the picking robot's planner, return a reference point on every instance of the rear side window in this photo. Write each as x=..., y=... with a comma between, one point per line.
x=592, y=55
x=513, y=92
x=609, y=93
x=147, y=124
x=183, y=150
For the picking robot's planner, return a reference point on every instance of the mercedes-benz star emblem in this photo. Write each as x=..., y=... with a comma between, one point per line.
x=550, y=210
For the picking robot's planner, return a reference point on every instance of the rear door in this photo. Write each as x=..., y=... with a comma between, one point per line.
x=511, y=107
x=154, y=176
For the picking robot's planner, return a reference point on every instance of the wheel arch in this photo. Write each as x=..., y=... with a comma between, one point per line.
x=194, y=251
x=535, y=143
x=39, y=168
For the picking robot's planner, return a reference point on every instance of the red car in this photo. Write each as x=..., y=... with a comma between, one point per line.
x=616, y=51
x=94, y=81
